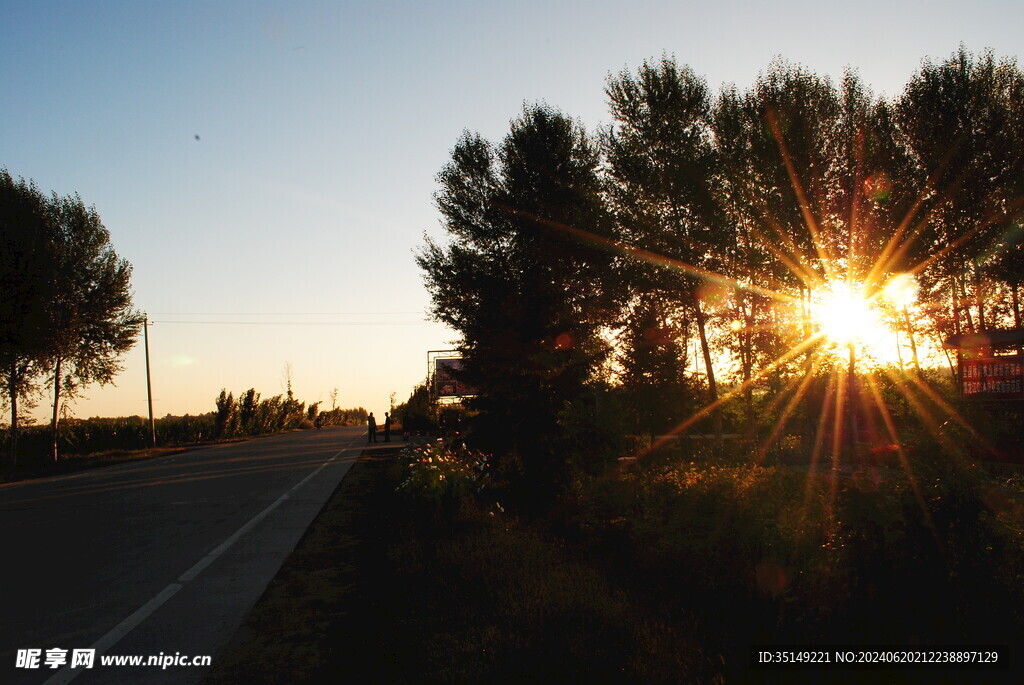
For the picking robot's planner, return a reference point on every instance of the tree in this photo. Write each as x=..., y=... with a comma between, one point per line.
x=66, y=308
x=91, y=320
x=248, y=406
x=653, y=359
x=525, y=278
x=660, y=163
x=962, y=122
x=26, y=262
x=225, y=421
x=419, y=412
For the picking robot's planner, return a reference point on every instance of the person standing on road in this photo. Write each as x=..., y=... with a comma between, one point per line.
x=372, y=422
x=387, y=427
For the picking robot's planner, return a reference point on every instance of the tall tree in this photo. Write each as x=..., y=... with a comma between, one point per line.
x=660, y=162
x=26, y=264
x=524, y=278
x=91, y=320
x=962, y=121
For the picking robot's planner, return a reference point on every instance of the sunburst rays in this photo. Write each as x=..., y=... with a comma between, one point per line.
x=848, y=322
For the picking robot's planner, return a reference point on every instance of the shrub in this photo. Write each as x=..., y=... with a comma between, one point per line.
x=443, y=474
x=876, y=555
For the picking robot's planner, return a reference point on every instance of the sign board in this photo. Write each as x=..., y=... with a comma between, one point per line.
x=445, y=382
x=992, y=378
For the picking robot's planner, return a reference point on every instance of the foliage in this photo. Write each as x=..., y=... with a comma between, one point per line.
x=654, y=357
x=522, y=280
x=68, y=295
x=443, y=474
x=343, y=417
x=251, y=416
x=418, y=414
x=226, y=419
x=90, y=311
x=94, y=435
x=661, y=191
x=723, y=219
x=720, y=218
x=24, y=270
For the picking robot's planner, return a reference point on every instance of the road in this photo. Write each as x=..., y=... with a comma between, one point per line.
x=159, y=557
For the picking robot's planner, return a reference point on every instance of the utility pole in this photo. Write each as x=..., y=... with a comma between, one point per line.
x=149, y=384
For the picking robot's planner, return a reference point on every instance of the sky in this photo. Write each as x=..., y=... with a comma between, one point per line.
x=268, y=168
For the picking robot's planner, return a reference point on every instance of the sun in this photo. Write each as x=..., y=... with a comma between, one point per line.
x=847, y=316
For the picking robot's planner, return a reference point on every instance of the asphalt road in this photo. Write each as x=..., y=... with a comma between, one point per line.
x=161, y=557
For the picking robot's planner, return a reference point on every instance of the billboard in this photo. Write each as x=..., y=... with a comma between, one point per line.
x=992, y=378
x=446, y=384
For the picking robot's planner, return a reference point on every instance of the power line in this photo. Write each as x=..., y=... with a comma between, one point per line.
x=393, y=318
x=298, y=323
x=284, y=313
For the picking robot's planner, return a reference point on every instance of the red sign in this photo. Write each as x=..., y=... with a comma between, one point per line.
x=992, y=378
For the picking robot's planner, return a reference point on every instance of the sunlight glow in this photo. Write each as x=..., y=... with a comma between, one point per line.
x=901, y=291
x=847, y=316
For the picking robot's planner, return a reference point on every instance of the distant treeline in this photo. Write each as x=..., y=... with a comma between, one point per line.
x=247, y=416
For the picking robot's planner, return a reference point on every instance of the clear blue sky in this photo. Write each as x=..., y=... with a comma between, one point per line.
x=321, y=128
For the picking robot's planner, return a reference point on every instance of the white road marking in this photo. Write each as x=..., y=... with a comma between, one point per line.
x=67, y=674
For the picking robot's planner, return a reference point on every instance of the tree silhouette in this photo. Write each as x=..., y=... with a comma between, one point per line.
x=67, y=307
x=91, y=320
x=961, y=120
x=661, y=162
x=522, y=280
x=26, y=263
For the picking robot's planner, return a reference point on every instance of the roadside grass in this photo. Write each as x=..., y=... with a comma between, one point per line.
x=491, y=599
x=317, y=614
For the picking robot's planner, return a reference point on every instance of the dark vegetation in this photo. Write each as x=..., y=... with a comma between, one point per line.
x=385, y=588
x=669, y=568
x=664, y=571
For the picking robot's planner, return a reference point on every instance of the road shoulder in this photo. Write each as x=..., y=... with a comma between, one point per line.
x=316, y=604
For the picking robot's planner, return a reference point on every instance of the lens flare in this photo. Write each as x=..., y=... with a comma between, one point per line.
x=846, y=315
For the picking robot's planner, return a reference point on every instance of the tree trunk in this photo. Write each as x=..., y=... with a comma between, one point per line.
x=56, y=409
x=852, y=403
x=956, y=308
x=913, y=343
x=1016, y=310
x=13, y=390
x=1016, y=305
x=978, y=297
x=716, y=415
x=748, y=369
x=961, y=296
